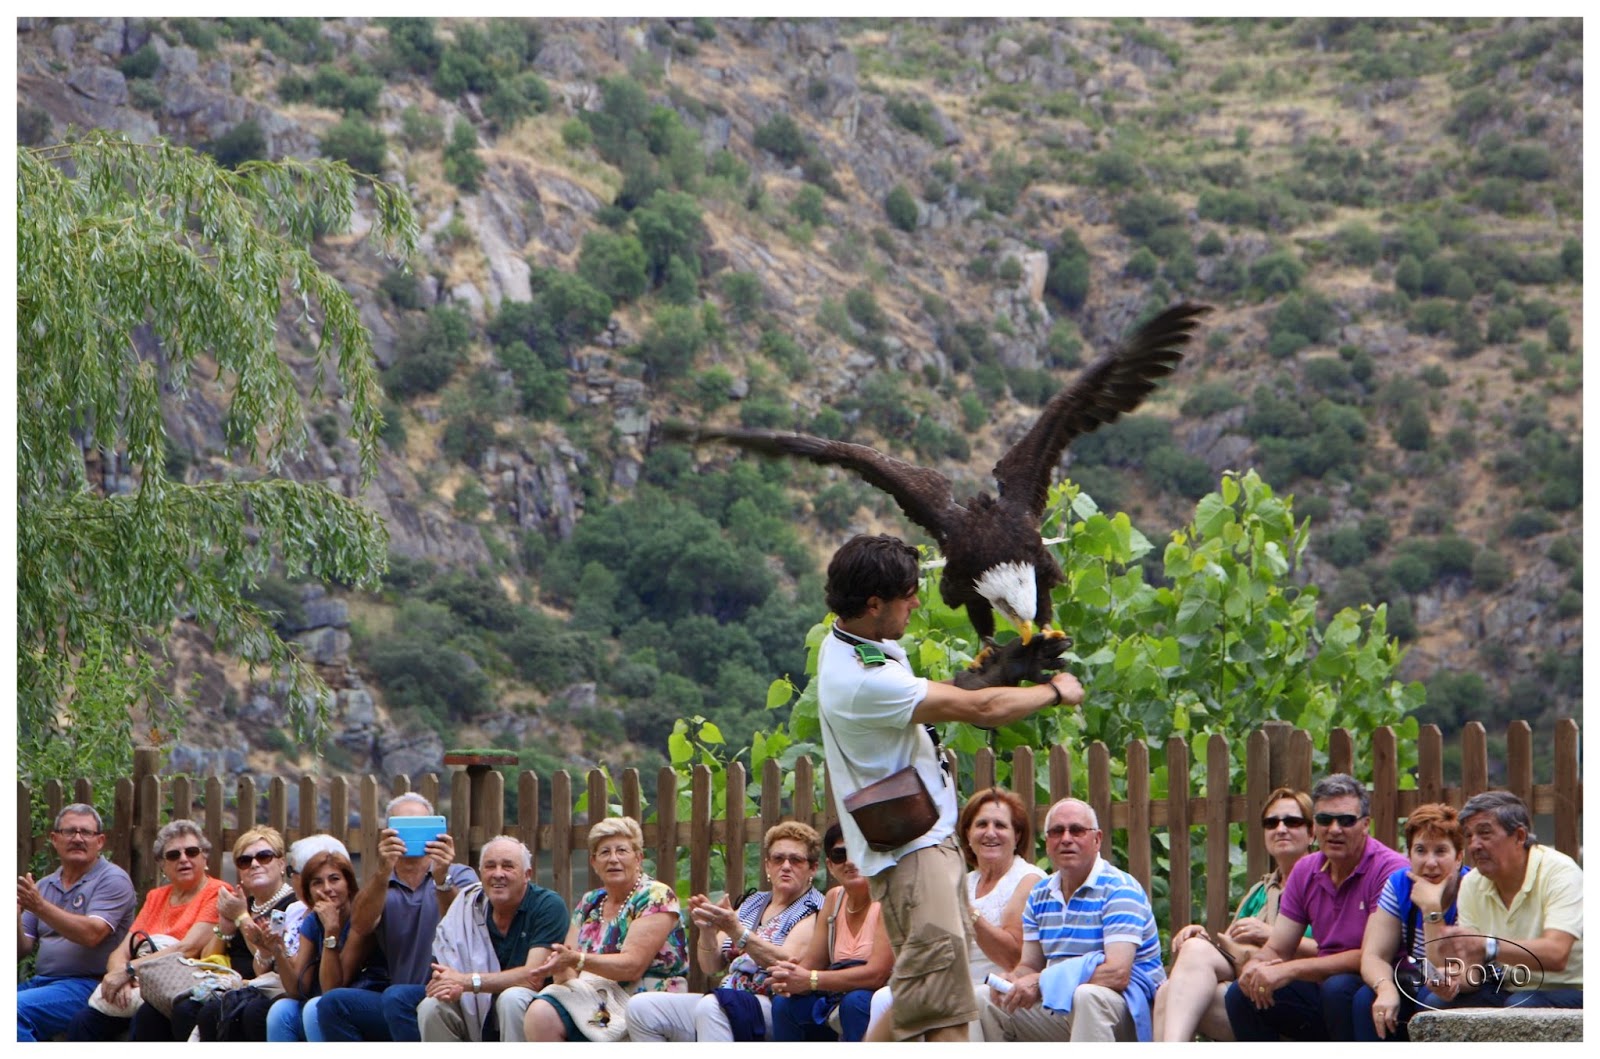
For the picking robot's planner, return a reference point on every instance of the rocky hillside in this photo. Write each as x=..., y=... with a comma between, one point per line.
x=906, y=233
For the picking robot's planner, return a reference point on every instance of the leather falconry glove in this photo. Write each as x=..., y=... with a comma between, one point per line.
x=1015, y=662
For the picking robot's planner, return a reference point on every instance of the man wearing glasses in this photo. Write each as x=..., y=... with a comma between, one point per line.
x=877, y=721
x=75, y=917
x=1334, y=890
x=1091, y=958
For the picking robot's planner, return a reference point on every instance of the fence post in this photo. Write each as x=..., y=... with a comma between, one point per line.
x=733, y=835
x=1138, y=811
x=1430, y=764
x=1217, y=797
x=1022, y=785
x=1260, y=754
x=528, y=815
x=1519, y=761
x=1568, y=798
x=667, y=826
x=561, y=833
x=1474, y=760
x=1385, y=787
x=25, y=826
x=1278, y=770
x=1180, y=898
x=146, y=816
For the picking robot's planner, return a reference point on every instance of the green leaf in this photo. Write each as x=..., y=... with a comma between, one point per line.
x=710, y=733
x=779, y=692
x=678, y=747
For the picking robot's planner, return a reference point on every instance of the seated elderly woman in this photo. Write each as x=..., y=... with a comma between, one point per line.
x=1394, y=947
x=626, y=938
x=827, y=994
x=769, y=925
x=996, y=839
x=320, y=954
x=1202, y=964
x=244, y=920
x=185, y=909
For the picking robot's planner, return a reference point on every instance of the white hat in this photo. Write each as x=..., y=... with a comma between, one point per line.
x=302, y=851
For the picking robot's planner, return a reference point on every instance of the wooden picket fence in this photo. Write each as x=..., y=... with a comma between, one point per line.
x=1274, y=755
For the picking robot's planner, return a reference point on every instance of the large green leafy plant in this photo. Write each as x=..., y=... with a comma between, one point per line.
x=139, y=268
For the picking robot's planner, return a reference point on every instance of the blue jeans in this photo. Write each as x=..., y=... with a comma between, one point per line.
x=365, y=1015
x=46, y=1005
x=289, y=1020
x=1300, y=1011
x=1361, y=1016
x=796, y=1018
x=1527, y=998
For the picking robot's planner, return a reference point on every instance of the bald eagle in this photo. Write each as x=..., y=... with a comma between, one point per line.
x=994, y=557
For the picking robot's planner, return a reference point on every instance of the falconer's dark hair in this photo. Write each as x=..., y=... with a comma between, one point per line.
x=864, y=567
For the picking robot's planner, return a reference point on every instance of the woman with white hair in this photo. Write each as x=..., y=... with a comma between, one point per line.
x=626, y=938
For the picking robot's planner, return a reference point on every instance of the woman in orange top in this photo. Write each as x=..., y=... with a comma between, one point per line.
x=849, y=957
x=185, y=908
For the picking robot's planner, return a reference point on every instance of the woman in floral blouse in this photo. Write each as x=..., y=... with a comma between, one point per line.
x=626, y=938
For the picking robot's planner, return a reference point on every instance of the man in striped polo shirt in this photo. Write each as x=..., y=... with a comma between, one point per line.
x=1091, y=960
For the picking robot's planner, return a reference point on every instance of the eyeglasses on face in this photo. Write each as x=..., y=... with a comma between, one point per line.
x=796, y=859
x=607, y=852
x=1271, y=823
x=1342, y=819
x=74, y=832
x=838, y=855
x=261, y=856
x=1075, y=830
x=192, y=852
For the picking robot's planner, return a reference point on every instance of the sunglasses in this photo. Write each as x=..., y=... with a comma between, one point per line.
x=1342, y=819
x=265, y=856
x=838, y=855
x=172, y=855
x=1075, y=830
x=796, y=859
x=1271, y=823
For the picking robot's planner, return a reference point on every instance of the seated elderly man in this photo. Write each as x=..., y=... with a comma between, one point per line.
x=484, y=947
x=1334, y=890
x=1091, y=960
x=1520, y=914
x=398, y=908
x=74, y=916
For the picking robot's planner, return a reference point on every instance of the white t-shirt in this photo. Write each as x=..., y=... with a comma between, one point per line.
x=992, y=906
x=868, y=734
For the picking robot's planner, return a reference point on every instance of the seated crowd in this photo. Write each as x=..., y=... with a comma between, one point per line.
x=1344, y=939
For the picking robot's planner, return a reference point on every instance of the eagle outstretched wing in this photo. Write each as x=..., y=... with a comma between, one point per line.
x=1115, y=383
x=923, y=495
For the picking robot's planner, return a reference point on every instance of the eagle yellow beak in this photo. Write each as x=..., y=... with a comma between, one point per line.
x=1026, y=632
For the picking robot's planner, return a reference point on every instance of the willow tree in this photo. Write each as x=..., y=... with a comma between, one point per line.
x=141, y=268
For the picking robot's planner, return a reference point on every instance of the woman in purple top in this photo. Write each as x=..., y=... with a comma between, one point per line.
x=1395, y=941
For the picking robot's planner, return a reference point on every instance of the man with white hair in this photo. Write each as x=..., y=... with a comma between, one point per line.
x=1091, y=959
x=485, y=947
x=400, y=904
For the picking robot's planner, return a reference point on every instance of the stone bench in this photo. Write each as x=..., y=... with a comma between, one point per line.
x=1498, y=1024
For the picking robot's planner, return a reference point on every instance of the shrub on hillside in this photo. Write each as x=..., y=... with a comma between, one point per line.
x=901, y=208
x=357, y=143
x=242, y=143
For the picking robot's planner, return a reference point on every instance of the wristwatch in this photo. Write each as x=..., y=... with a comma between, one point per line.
x=1435, y=917
x=1491, y=949
x=446, y=886
x=330, y=942
x=477, y=982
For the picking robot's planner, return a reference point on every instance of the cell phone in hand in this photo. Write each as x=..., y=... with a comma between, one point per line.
x=275, y=922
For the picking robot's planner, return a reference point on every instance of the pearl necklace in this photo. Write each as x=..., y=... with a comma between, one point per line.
x=283, y=891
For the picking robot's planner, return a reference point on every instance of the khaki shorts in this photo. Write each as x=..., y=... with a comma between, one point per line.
x=925, y=911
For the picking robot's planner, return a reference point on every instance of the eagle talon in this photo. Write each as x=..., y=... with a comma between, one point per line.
x=984, y=655
x=1052, y=634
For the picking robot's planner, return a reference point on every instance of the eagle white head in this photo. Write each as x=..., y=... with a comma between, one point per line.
x=1010, y=588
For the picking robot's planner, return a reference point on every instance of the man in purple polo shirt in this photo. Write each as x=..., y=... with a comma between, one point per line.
x=1334, y=890
x=73, y=917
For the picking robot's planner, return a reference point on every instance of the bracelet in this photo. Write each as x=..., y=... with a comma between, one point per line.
x=1057, y=693
x=813, y=981
x=742, y=939
x=581, y=957
x=239, y=919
